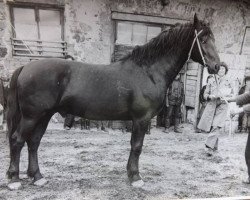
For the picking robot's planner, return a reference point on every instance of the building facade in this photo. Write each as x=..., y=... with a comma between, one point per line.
x=101, y=31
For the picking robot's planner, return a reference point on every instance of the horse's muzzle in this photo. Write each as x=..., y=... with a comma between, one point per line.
x=213, y=70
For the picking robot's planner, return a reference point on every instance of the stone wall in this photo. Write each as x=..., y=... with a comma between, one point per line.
x=89, y=29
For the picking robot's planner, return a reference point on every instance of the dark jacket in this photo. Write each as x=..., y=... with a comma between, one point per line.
x=175, y=93
x=244, y=100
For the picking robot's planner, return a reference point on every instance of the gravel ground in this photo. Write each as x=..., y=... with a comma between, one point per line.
x=91, y=164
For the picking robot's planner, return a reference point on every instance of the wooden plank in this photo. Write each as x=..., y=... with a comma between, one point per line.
x=32, y=55
x=192, y=77
x=38, y=45
x=190, y=101
x=191, y=87
x=190, y=93
x=15, y=39
x=198, y=89
x=191, y=82
x=184, y=100
x=192, y=72
x=38, y=50
x=193, y=66
x=146, y=18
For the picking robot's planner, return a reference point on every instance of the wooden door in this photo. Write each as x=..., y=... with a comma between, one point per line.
x=192, y=87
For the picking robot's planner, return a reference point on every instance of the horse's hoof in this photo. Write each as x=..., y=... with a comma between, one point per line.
x=40, y=182
x=137, y=184
x=14, y=186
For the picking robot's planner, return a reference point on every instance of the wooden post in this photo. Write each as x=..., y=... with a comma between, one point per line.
x=197, y=94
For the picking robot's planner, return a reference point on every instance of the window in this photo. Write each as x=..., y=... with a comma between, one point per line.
x=37, y=31
x=245, y=49
x=246, y=42
x=130, y=34
x=135, y=33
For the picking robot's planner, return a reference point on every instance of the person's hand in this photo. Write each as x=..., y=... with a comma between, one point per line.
x=225, y=99
x=236, y=111
x=214, y=97
x=230, y=99
x=232, y=113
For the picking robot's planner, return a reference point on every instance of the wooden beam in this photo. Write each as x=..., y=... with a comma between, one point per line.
x=146, y=18
x=46, y=41
x=42, y=46
x=38, y=50
x=42, y=56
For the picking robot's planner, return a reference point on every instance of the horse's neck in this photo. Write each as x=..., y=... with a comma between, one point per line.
x=170, y=65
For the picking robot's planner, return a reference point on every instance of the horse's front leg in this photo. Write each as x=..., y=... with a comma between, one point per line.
x=140, y=127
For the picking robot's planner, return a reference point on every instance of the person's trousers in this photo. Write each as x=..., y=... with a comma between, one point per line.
x=240, y=121
x=173, y=111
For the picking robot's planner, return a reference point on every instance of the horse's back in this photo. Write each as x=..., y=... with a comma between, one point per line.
x=72, y=87
x=93, y=91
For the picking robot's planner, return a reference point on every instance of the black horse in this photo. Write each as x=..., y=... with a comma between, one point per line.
x=130, y=89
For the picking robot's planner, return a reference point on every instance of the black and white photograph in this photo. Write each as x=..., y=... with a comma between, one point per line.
x=124, y=99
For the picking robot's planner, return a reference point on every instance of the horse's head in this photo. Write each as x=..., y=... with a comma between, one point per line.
x=204, y=50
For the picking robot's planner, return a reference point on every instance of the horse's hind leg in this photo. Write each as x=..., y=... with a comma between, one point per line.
x=33, y=143
x=16, y=142
x=140, y=127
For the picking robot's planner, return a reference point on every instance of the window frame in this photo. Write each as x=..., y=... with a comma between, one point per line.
x=158, y=25
x=60, y=51
x=247, y=28
x=36, y=8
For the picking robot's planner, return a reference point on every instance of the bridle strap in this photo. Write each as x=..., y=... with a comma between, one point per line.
x=196, y=39
x=199, y=46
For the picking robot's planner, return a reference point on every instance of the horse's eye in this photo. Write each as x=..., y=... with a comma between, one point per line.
x=203, y=41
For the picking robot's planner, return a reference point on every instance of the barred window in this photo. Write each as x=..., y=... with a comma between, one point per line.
x=37, y=31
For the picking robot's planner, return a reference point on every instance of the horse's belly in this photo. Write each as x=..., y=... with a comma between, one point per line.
x=108, y=112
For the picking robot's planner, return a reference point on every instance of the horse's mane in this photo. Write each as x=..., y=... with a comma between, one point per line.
x=167, y=42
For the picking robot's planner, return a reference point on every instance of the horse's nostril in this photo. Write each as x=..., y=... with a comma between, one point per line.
x=217, y=67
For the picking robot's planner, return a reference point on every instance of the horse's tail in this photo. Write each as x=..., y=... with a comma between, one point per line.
x=13, y=110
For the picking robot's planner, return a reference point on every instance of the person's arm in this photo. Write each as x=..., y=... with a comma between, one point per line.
x=240, y=99
x=236, y=111
x=245, y=109
x=243, y=99
x=207, y=93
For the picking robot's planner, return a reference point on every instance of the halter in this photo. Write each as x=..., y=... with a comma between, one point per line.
x=196, y=39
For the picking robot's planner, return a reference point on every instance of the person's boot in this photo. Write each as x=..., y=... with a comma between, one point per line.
x=177, y=128
x=167, y=125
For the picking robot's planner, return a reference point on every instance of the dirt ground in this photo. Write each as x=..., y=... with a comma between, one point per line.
x=92, y=165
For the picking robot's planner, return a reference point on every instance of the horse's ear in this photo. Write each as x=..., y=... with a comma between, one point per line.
x=196, y=21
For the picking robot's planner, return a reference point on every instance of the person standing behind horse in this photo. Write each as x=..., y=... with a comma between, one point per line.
x=174, y=99
x=203, y=101
x=214, y=115
x=244, y=88
x=243, y=101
